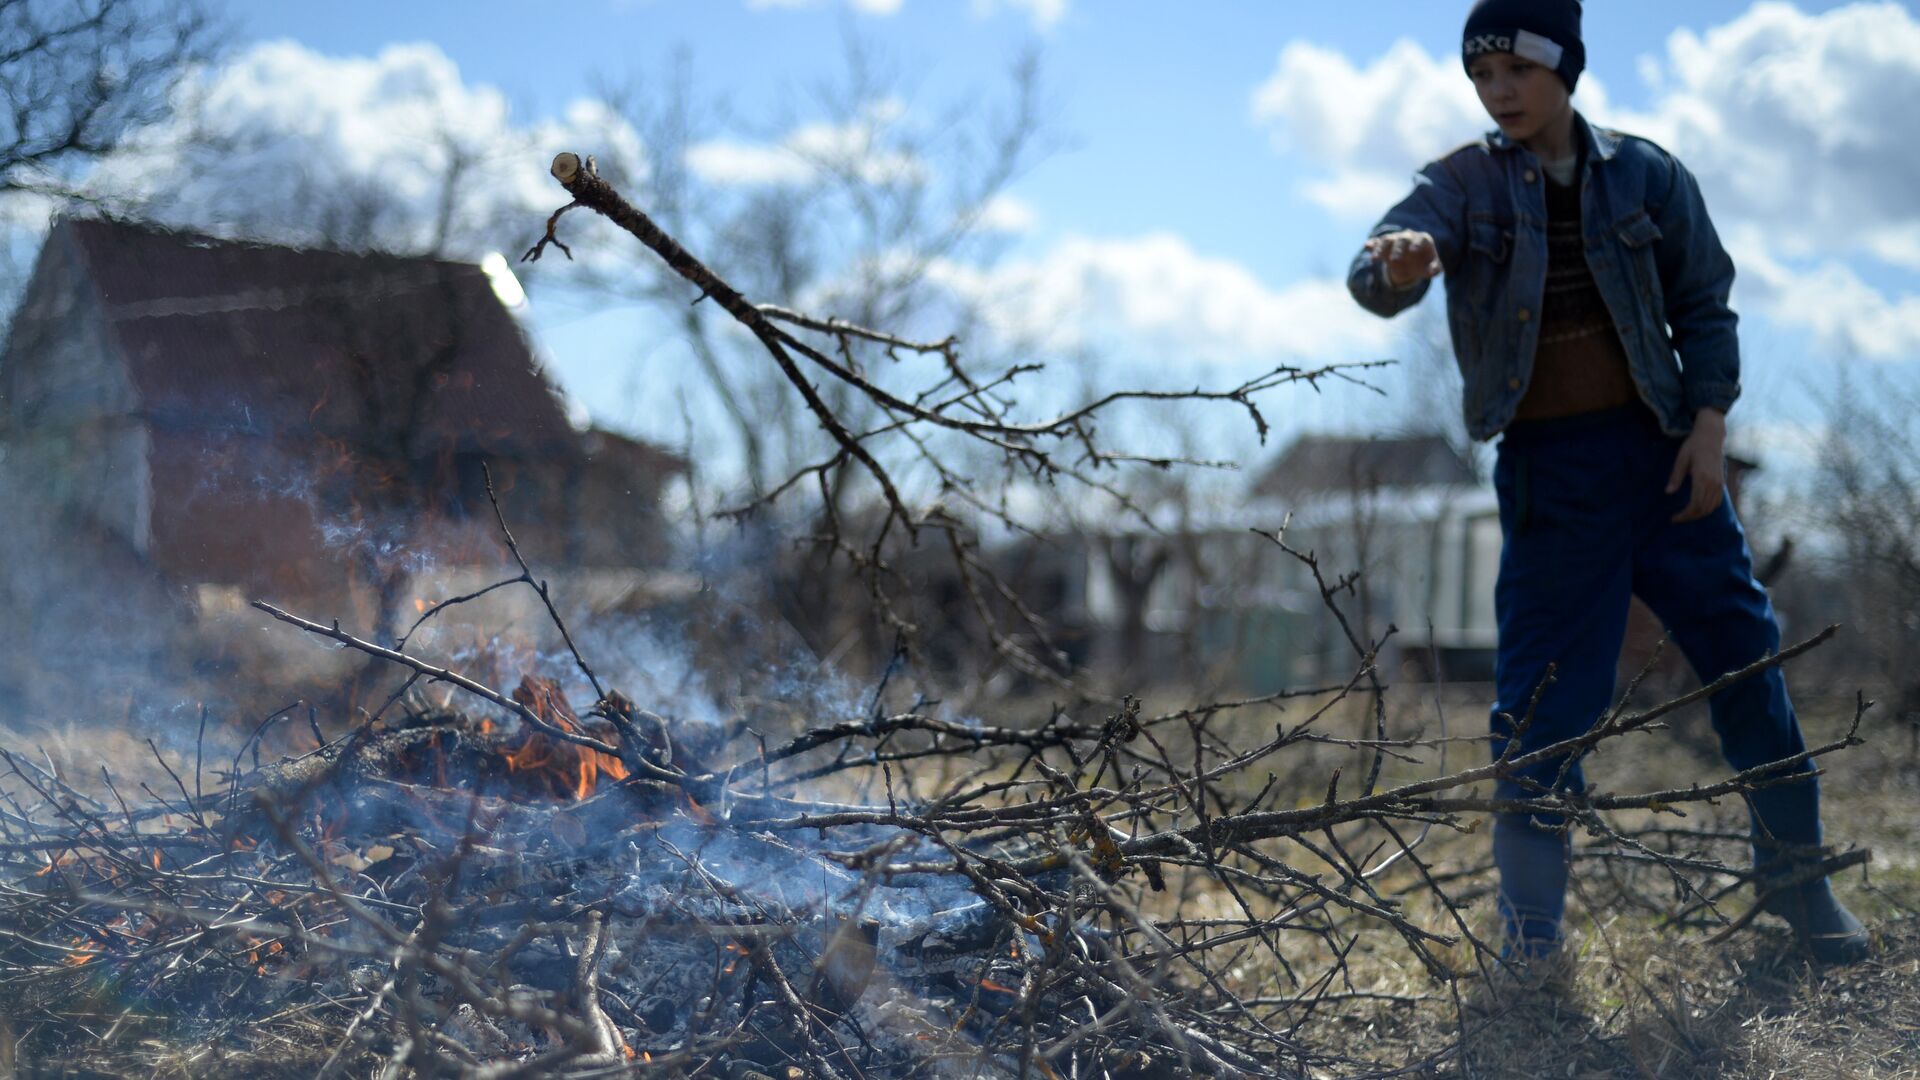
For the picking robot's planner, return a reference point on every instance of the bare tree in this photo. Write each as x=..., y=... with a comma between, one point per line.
x=864, y=191
x=77, y=75
x=1869, y=497
x=921, y=414
x=865, y=195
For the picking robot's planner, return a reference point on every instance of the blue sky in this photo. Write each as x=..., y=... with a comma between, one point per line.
x=1153, y=95
x=1233, y=153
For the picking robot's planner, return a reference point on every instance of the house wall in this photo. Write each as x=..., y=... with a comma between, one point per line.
x=69, y=436
x=616, y=519
x=1234, y=601
x=458, y=522
x=311, y=518
x=234, y=508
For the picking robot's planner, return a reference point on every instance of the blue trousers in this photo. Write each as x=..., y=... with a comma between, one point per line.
x=1586, y=524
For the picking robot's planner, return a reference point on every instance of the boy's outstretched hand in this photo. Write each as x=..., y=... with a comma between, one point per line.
x=1409, y=256
x=1701, y=459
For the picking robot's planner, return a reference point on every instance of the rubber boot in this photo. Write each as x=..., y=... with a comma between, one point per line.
x=1790, y=815
x=1822, y=923
x=1533, y=885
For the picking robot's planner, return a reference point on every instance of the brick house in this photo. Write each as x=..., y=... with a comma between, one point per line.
x=184, y=417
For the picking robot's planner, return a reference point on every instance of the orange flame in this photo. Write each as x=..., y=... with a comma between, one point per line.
x=991, y=985
x=569, y=769
x=65, y=858
x=83, y=950
x=695, y=811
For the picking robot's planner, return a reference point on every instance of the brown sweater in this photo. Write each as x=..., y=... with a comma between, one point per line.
x=1580, y=365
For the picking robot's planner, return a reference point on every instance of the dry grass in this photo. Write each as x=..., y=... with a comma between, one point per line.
x=1651, y=1000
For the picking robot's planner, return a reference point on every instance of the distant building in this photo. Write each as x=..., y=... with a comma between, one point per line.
x=184, y=419
x=1409, y=513
x=1316, y=465
x=1413, y=514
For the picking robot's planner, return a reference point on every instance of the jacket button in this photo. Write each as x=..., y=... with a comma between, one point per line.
x=1513, y=383
x=1523, y=315
x=1528, y=176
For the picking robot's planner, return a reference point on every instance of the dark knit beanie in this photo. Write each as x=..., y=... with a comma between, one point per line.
x=1546, y=32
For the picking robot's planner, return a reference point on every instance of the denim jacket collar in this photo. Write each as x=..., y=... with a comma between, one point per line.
x=1601, y=143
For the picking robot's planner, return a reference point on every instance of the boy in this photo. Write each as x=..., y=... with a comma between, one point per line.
x=1578, y=261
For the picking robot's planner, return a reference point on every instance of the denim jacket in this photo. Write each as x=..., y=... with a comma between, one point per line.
x=1654, y=255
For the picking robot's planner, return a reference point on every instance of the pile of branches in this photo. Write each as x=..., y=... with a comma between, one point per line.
x=526, y=890
x=558, y=881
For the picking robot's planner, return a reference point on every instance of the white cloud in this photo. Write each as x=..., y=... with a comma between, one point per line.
x=1801, y=122
x=1043, y=13
x=1154, y=296
x=810, y=150
x=1372, y=127
x=1356, y=195
x=1006, y=214
x=1779, y=445
x=1828, y=299
x=728, y=161
x=1384, y=119
x=287, y=143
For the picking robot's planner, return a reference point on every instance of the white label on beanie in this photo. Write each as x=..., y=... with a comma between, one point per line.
x=1533, y=47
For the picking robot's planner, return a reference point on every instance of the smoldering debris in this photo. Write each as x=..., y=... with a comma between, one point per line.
x=528, y=889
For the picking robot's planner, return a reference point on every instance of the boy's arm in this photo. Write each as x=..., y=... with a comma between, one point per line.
x=1436, y=207
x=1696, y=276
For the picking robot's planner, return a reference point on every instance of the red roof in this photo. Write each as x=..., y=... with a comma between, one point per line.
x=416, y=353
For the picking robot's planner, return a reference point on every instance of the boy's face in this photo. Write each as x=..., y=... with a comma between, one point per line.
x=1520, y=95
